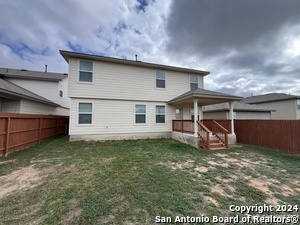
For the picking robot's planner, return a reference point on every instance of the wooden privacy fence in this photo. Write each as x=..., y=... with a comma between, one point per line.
x=278, y=134
x=18, y=131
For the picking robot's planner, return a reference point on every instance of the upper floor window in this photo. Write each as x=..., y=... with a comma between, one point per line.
x=85, y=112
x=160, y=79
x=85, y=71
x=193, y=82
x=298, y=104
x=160, y=114
x=140, y=114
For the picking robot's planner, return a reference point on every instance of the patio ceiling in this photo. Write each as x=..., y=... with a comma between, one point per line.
x=204, y=97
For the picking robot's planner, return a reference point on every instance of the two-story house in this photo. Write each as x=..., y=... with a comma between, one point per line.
x=123, y=99
x=285, y=106
x=33, y=92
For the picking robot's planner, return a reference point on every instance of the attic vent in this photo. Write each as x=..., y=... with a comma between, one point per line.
x=65, y=74
x=23, y=70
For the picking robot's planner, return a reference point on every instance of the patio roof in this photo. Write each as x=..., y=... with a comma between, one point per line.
x=204, y=97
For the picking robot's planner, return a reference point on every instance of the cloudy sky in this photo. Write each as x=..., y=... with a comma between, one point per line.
x=249, y=46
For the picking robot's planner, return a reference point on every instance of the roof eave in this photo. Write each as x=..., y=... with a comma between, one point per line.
x=66, y=55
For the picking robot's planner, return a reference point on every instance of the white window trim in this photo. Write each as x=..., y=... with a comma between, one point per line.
x=77, y=115
x=155, y=115
x=159, y=88
x=139, y=124
x=193, y=82
x=85, y=82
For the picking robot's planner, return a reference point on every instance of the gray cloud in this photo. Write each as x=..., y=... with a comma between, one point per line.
x=238, y=37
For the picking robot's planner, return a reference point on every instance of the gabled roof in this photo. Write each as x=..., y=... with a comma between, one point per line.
x=272, y=97
x=10, y=90
x=206, y=96
x=237, y=106
x=66, y=55
x=29, y=74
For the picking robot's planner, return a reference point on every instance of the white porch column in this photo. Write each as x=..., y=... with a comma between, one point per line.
x=195, y=117
x=200, y=113
x=231, y=117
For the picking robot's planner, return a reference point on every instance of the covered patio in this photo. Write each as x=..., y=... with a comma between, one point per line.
x=189, y=118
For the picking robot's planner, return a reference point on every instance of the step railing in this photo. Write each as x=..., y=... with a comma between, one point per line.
x=220, y=132
x=204, y=135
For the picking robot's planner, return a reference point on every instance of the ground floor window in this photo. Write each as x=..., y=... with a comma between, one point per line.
x=160, y=114
x=85, y=112
x=178, y=113
x=192, y=113
x=140, y=114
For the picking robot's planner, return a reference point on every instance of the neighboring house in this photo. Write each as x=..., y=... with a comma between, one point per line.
x=241, y=110
x=123, y=99
x=33, y=92
x=285, y=106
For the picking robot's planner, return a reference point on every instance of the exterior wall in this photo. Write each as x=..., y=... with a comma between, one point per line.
x=124, y=82
x=284, y=109
x=253, y=115
x=32, y=107
x=8, y=105
x=215, y=115
x=46, y=89
x=239, y=115
x=117, y=118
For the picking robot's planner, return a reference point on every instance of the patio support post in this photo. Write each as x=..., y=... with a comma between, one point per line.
x=195, y=117
x=231, y=117
x=200, y=113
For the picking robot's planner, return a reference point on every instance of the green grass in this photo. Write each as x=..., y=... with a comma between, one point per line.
x=132, y=182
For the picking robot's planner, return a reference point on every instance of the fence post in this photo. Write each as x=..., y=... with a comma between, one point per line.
x=7, y=135
x=40, y=129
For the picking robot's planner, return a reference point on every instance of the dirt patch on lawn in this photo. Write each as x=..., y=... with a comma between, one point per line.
x=178, y=165
x=22, y=179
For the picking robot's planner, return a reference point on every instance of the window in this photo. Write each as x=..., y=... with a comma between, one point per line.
x=160, y=79
x=192, y=114
x=85, y=111
x=61, y=90
x=86, y=71
x=178, y=113
x=193, y=82
x=140, y=114
x=160, y=114
x=298, y=104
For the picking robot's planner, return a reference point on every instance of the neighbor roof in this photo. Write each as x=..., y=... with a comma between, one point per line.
x=66, y=55
x=212, y=97
x=8, y=89
x=272, y=97
x=29, y=74
x=237, y=106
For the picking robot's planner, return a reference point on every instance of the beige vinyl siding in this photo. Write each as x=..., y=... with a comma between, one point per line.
x=116, y=81
x=117, y=117
x=285, y=110
x=46, y=89
x=216, y=115
x=253, y=115
x=32, y=107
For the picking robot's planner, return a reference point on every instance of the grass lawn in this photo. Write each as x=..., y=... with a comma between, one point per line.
x=133, y=182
